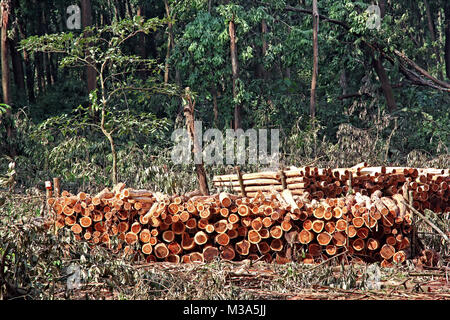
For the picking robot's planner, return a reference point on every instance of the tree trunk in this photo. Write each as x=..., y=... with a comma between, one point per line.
x=169, y=43
x=108, y=134
x=39, y=56
x=431, y=29
x=382, y=5
x=315, y=72
x=119, y=4
x=141, y=37
x=5, y=10
x=447, y=38
x=29, y=69
x=385, y=84
x=235, y=71
x=16, y=59
x=86, y=20
x=199, y=167
x=264, y=47
x=215, y=107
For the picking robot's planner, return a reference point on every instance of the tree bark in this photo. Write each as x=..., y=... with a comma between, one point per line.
x=17, y=67
x=86, y=20
x=264, y=47
x=141, y=37
x=108, y=134
x=169, y=44
x=16, y=59
x=29, y=69
x=447, y=38
x=315, y=72
x=39, y=56
x=385, y=84
x=188, y=110
x=431, y=29
x=382, y=5
x=5, y=12
x=235, y=72
x=215, y=107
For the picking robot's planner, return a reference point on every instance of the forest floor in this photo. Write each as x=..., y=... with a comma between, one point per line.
x=264, y=281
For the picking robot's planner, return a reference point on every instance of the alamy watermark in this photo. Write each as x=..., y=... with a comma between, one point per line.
x=74, y=20
x=237, y=147
x=374, y=21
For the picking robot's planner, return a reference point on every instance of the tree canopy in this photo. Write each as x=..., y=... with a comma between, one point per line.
x=381, y=92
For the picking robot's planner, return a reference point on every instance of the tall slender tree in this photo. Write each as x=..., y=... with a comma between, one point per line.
x=447, y=38
x=235, y=71
x=5, y=14
x=86, y=19
x=315, y=72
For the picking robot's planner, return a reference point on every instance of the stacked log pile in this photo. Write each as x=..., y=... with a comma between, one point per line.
x=272, y=226
x=429, y=187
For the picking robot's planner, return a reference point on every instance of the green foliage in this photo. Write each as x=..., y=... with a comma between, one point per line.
x=61, y=133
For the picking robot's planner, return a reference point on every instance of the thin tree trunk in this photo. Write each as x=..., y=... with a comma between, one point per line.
x=385, y=84
x=431, y=29
x=29, y=69
x=16, y=59
x=120, y=9
x=384, y=80
x=86, y=19
x=235, y=71
x=53, y=68
x=188, y=110
x=382, y=5
x=447, y=38
x=128, y=9
x=315, y=72
x=108, y=134
x=48, y=76
x=264, y=46
x=5, y=10
x=169, y=43
x=215, y=107
x=39, y=56
x=141, y=37
x=343, y=82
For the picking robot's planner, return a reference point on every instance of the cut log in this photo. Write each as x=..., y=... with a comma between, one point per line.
x=358, y=244
x=242, y=247
x=339, y=239
x=324, y=238
x=331, y=250
x=253, y=236
x=276, y=232
x=276, y=245
x=161, y=250
x=341, y=225
x=200, y=238
x=317, y=226
x=168, y=236
x=227, y=253
x=305, y=236
x=387, y=251
x=145, y=236
x=210, y=253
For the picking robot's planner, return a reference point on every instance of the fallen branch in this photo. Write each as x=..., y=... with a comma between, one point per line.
x=427, y=221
